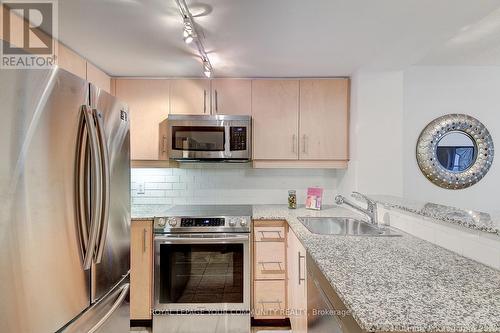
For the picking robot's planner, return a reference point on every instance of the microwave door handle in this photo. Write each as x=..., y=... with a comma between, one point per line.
x=105, y=184
x=95, y=171
x=227, y=148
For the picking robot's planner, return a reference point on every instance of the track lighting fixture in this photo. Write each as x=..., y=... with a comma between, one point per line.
x=191, y=36
x=207, y=68
x=188, y=32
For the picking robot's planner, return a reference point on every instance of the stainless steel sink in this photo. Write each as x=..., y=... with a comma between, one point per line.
x=344, y=226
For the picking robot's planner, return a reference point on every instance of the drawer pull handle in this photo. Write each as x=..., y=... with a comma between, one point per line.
x=272, y=238
x=271, y=302
x=267, y=270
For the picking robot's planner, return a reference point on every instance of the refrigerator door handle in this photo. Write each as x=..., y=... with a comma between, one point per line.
x=116, y=305
x=105, y=185
x=88, y=135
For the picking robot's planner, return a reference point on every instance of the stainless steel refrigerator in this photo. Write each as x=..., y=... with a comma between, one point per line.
x=64, y=205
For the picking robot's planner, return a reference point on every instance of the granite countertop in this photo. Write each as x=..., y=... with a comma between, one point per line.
x=399, y=283
x=486, y=222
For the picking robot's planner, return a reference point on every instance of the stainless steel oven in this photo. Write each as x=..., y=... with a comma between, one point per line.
x=202, y=269
x=202, y=272
x=206, y=138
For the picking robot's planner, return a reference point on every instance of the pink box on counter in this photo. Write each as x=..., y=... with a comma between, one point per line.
x=314, y=198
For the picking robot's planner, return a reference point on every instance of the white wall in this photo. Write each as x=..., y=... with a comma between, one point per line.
x=375, y=134
x=433, y=91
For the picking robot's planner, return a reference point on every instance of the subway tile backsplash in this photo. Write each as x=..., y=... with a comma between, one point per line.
x=170, y=186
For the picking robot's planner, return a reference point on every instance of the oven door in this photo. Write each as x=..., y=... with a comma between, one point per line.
x=202, y=272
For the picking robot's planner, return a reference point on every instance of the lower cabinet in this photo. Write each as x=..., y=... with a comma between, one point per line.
x=141, y=269
x=297, y=283
x=269, y=270
x=279, y=274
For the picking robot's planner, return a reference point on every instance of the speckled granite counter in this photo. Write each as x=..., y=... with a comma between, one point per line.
x=486, y=222
x=399, y=283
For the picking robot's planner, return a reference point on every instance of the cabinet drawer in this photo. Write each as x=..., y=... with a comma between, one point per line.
x=269, y=234
x=269, y=299
x=270, y=260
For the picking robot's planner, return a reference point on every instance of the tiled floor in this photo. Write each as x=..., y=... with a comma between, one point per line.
x=259, y=329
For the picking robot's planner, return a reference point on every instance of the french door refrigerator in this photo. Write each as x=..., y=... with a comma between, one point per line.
x=64, y=205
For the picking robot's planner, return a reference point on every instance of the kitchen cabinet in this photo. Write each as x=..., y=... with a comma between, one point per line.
x=148, y=101
x=98, y=78
x=269, y=269
x=189, y=96
x=74, y=63
x=71, y=61
x=297, y=283
x=141, y=269
x=324, y=119
x=231, y=96
x=275, y=113
x=300, y=123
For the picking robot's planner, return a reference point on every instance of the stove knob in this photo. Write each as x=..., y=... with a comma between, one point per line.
x=243, y=222
x=232, y=222
x=172, y=221
x=161, y=222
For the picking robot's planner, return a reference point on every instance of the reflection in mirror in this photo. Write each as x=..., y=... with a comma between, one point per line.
x=456, y=151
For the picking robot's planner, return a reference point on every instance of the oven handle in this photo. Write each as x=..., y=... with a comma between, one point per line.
x=199, y=239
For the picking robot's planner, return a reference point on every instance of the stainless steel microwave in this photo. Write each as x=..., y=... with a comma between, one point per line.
x=218, y=138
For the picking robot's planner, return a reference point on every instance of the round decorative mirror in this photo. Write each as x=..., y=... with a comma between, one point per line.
x=455, y=151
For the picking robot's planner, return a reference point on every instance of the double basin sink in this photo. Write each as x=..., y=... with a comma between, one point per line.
x=344, y=226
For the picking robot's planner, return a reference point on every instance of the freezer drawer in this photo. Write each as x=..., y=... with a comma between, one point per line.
x=110, y=315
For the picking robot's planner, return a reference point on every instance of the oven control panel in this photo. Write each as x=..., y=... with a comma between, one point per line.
x=203, y=222
x=198, y=224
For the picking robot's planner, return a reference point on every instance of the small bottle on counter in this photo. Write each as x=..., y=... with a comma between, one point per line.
x=292, y=199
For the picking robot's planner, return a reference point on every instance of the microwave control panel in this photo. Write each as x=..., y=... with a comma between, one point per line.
x=238, y=138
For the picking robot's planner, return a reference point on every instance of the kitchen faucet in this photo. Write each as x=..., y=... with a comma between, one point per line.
x=370, y=211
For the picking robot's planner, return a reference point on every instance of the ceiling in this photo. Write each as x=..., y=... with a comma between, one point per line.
x=477, y=44
x=269, y=38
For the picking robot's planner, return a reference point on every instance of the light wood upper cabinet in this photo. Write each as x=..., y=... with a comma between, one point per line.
x=190, y=96
x=98, y=77
x=232, y=96
x=275, y=112
x=71, y=61
x=141, y=269
x=324, y=119
x=148, y=102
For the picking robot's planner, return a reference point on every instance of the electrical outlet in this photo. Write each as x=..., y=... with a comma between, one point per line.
x=140, y=188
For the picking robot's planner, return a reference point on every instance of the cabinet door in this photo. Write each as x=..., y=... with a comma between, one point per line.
x=190, y=96
x=297, y=286
x=275, y=112
x=232, y=96
x=98, y=78
x=148, y=102
x=71, y=61
x=292, y=273
x=324, y=119
x=141, y=269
